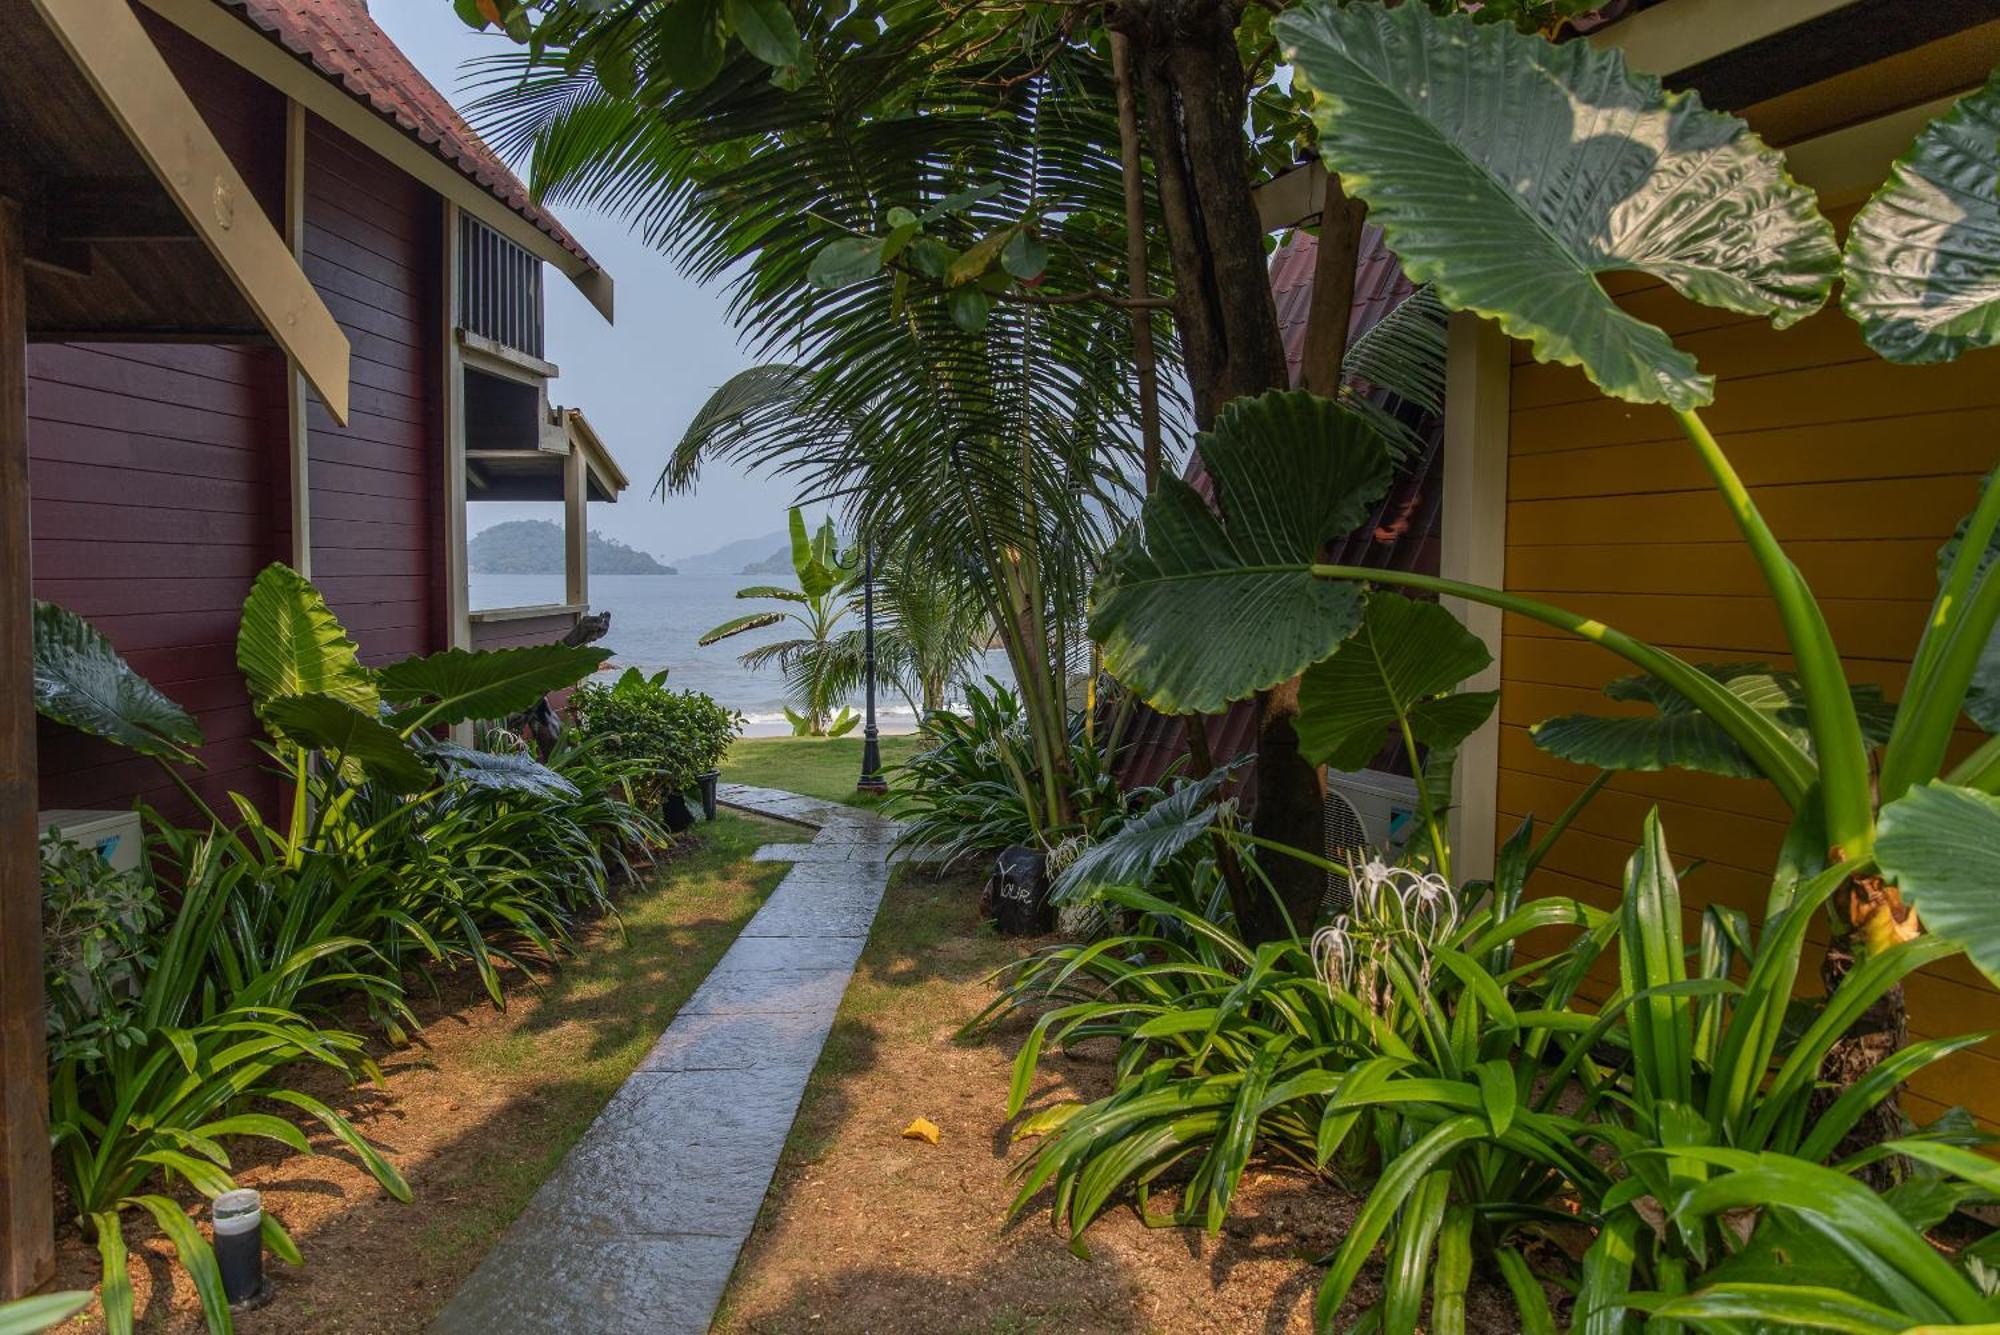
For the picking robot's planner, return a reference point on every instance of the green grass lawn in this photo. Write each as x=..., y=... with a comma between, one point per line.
x=816, y=766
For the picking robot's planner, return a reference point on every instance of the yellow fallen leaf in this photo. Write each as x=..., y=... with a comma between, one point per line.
x=921, y=1129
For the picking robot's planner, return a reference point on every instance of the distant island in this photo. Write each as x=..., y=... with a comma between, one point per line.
x=777, y=563
x=535, y=547
x=731, y=557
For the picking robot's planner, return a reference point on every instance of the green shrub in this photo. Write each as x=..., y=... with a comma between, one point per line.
x=667, y=737
x=98, y=925
x=977, y=788
x=396, y=851
x=213, y=1029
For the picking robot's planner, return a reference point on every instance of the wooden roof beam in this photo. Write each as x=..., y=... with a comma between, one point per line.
x=134, y=83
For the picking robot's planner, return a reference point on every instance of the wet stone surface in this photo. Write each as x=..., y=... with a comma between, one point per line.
x=639, y=1227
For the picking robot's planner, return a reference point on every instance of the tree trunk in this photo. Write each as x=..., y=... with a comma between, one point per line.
x=1195, y=107
x=1332, y=308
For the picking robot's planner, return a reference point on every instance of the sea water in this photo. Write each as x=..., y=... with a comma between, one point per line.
x=656, y=619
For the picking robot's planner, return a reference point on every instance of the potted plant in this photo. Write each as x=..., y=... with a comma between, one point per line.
x=682, y=734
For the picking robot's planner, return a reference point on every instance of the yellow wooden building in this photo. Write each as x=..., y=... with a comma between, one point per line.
x=1861, y=467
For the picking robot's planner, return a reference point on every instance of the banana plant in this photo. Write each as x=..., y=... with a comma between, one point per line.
x=813, y=666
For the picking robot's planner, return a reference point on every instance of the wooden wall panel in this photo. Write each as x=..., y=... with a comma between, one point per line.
x=156, y=473
x=1862, y=468
x=373, y=249
x=520, y=631
x=151, y=517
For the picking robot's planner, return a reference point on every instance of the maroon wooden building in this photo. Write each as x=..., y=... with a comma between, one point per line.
x=263, y=296
x=164, y=475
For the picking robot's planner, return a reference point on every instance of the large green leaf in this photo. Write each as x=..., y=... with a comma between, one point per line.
x=1793, y=1306
x=291, y=643
x=324, y=723
x=25, y=1316
x=462, y=684
x=1142, y=845
x=1923, y=258
x=1982, y=697
x=1513, y=173
x=1199, y=608
x=502, y=771
x=737, y=625
x=1399, y=668
x=1941, y=846
x=1679, y=736
x=767, y=29
x=81, y=681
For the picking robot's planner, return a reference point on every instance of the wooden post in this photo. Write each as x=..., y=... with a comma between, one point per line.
x=27, y=1203
x=576, y=526
x=298, y=388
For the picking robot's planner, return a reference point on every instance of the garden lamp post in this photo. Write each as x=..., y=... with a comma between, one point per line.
x=871, y=746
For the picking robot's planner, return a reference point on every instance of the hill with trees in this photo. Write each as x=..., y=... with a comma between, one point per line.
x=535, y=547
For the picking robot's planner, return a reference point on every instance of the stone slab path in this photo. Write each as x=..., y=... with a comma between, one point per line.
x=638, y=1229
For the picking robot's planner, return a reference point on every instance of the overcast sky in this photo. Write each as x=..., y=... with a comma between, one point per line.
x=640, y=380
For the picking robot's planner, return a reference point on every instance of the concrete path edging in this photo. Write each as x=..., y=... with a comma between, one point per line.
x=638, y=1229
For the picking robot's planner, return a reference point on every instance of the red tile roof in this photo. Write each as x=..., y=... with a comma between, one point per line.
x=343, y=42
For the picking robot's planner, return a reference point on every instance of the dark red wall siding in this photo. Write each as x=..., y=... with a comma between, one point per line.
x=374, y=243
x=154, y=472
x=151, y=516
x=159, y=474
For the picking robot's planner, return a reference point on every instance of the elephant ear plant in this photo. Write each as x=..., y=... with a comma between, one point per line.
x=1405, y=106
x=1695, y=1083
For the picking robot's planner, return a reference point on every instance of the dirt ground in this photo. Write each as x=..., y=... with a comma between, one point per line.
x=475, y=1114
x=866, y=1231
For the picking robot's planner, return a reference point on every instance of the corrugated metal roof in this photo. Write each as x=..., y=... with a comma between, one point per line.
x=343, y=42
x=1401, y=535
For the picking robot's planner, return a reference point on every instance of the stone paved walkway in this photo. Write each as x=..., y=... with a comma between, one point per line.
x=638, y=1228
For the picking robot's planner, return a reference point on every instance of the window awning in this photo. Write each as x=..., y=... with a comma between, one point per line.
x=536, y=474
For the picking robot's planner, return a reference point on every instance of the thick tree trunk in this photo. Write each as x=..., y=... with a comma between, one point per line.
x=1332, y=308
x=1195, y=106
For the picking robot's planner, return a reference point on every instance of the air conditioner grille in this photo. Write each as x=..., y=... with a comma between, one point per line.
x=1346, y=837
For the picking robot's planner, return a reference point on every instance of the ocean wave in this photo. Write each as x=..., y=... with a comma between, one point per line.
x=882, y=712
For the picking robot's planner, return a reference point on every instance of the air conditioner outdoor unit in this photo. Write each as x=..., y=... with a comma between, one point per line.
x=113, y=834
x=1368, y=813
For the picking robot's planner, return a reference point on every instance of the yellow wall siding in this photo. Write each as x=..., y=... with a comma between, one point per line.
x=1862, y=469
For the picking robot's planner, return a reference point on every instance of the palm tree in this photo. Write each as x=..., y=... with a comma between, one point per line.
x=816, y=676
x=985, y=429
x=937, y=216
x=931, y=628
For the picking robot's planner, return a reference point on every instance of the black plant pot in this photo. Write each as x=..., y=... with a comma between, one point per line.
x=674, y=811
x=1019, y=893
x=708, y=779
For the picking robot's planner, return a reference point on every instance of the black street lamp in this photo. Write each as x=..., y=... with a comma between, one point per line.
x=871, y=780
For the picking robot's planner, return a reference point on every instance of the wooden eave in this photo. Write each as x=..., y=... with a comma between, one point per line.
x=139, y=225
x=1740, y=55
x=226, y=31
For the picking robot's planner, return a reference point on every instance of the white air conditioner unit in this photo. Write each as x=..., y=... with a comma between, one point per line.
x=1368, y=813
x=113, y=834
